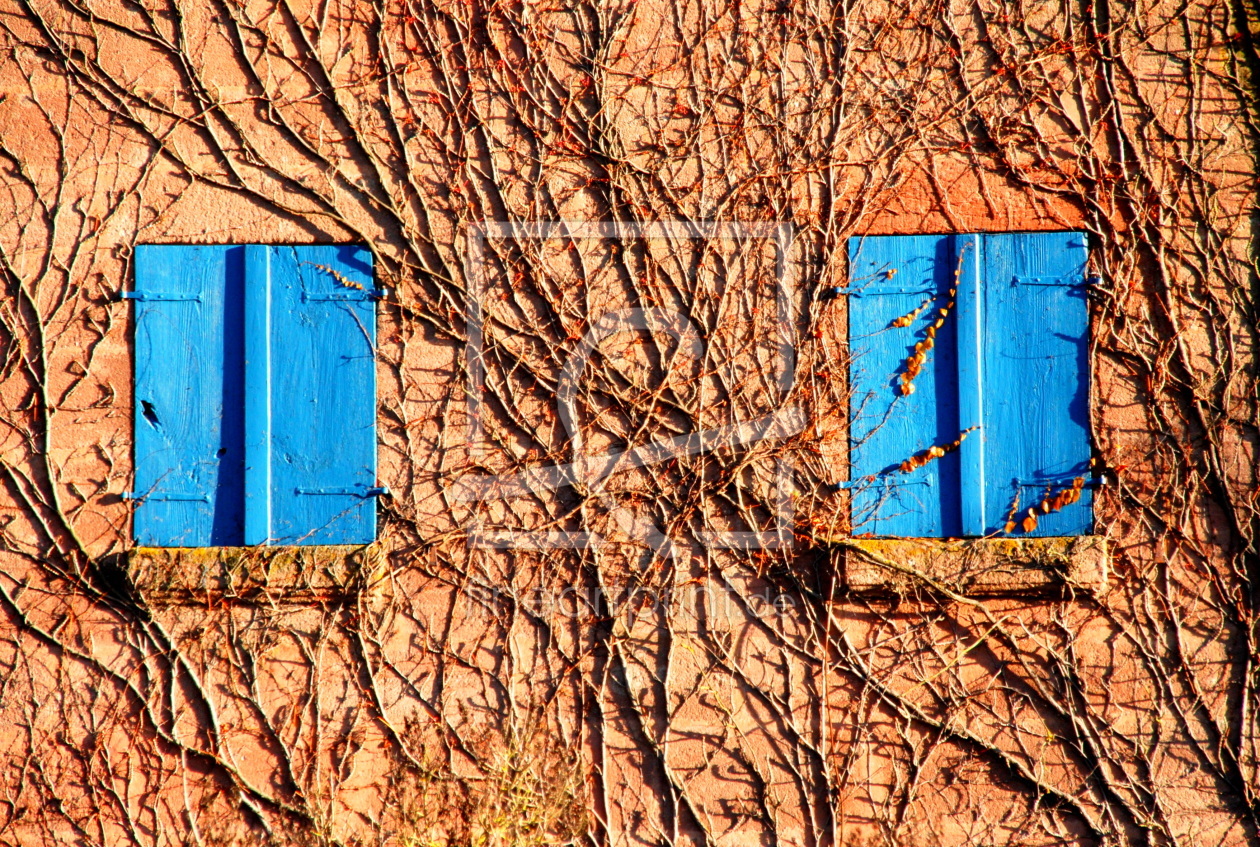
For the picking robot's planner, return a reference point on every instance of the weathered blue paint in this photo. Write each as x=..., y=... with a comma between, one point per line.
x=255, y=395
x=189, y=438
x=1012, y=357
x=892, y=276
x=1036, y=425
x=968, y=257
x=323, y=395
x=258, y=395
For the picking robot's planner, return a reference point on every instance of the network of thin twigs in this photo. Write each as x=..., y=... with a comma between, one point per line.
x=651, y=688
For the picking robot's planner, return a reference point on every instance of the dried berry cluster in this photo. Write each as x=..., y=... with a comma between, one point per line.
x=341, y=279
x=1066, y=496
x=909, y=317
x=915, y=361
x=936, y=451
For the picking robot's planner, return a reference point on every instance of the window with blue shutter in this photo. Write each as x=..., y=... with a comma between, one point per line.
x=970, y=385
x=255, y=395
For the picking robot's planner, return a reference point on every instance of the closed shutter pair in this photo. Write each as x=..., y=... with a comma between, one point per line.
x=255, y=395
x=1001, y=363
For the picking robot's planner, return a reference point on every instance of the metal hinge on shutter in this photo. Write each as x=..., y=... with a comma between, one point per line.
x=885, y=482
x=836, y=291
x=349, y=297
x=153, y=295
x=889, y=292
x=353, y=491
x=1060, y=281
x=173, y=496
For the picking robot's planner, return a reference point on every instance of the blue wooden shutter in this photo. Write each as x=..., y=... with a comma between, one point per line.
x=255, y=397
x=1011, y=357
x=891, y=276
x=189, y=441
x=323, y=394
x=1036, y=371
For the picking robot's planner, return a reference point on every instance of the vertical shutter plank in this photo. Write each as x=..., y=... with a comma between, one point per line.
x=967, y=258
x=188, y=372
x=258, y=489
x=891, y=276
x=323, y=383
x=1036, y=424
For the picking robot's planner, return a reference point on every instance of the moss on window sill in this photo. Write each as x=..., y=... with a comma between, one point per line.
x=974, y=566
x=178, y=575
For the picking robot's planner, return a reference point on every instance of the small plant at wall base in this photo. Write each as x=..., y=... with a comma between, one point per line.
x=531, y=694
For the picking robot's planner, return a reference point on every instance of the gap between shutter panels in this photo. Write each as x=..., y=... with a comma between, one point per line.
x=1010, y=357
x=317, y=322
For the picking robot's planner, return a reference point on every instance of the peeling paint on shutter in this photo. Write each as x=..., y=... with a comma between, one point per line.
x=323, y=384
x=891, y=277
x=1036, y=422
x=1011, y=358
x=189, y=440
x=255, y=386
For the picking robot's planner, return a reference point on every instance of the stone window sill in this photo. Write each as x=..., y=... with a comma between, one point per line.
x=974, y=566
x=196, y=575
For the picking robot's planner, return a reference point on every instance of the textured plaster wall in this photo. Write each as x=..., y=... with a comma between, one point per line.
x=80, y=190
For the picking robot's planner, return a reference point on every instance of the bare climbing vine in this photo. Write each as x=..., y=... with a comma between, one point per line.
x=629, y=680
